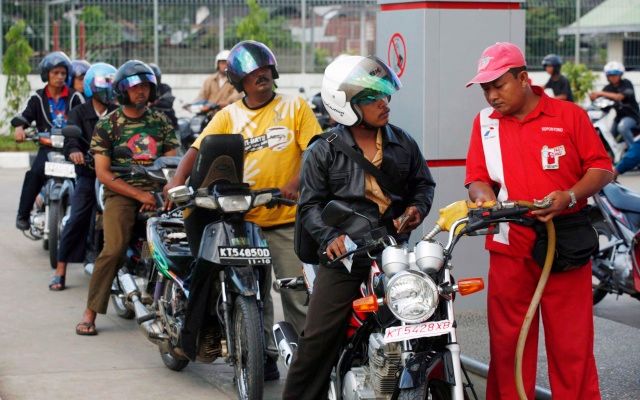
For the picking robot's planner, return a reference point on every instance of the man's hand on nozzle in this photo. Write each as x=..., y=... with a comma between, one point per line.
x=481, y=192
x=408, y=221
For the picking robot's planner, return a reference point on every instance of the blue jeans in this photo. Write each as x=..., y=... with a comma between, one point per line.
x=626, y=127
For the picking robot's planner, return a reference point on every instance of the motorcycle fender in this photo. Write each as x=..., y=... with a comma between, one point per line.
x=55, y=192
x=243, y=281
x=424, y=366
x=221, y=233
x=66, y=191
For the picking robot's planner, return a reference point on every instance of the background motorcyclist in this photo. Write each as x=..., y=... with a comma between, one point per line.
x=621, y=91
x=356, y=91
x=557, y=82
x=147, y=134
x=77, y=237
x=79, y=69
x=48, y=107
x=164, y=102
x=216, y=88
x=276, y=129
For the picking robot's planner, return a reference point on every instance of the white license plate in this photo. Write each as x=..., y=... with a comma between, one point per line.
x=61, y=170
x=244, y=255
x=425, y=329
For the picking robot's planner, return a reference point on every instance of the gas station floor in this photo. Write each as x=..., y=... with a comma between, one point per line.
x=617, y=350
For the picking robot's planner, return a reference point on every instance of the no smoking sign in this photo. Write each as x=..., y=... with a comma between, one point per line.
x=397, y=54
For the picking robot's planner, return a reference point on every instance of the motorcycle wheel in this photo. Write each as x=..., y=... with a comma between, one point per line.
x=248, y=349
x=432, y=390
x=599, y=287
x=118, y=302
x=55, y=222
x=170, y=359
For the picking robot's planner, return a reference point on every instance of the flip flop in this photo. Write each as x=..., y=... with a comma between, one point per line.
x=57, y=283
x=86, y=329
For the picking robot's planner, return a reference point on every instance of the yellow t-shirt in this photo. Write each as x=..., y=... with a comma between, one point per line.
x=274, y=138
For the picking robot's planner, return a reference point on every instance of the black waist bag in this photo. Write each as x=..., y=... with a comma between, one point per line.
x=304, y=245
x=576, y=242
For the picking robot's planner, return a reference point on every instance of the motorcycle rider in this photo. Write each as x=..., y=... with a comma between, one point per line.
x=276, y=129
x=148, y=134
x=79, y=69
x=164, y=102
x=76, y=236
x=48, y=107
x=356, y=91
x=621, y=91
x=512, y=156
x=557, y=82
x=216, y=88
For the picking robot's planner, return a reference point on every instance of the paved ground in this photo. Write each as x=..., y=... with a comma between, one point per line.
x=42, y=358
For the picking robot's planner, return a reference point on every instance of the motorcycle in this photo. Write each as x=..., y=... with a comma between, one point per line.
x=52, y=209
x=401, y=340
x=319, y=110
x=602, y=113
x=209, y=305
x=616, y=266
x=189, y=129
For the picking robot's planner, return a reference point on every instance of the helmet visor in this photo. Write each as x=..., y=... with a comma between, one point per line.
x=369, y=81
x=135, y=80
x=245, y=59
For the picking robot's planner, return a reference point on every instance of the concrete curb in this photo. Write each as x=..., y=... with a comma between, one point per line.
x=15, y=159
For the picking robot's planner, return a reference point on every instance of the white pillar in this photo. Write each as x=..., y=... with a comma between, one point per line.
x=615, y=48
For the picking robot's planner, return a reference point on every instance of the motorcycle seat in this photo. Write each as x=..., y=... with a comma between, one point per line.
x=622, y=198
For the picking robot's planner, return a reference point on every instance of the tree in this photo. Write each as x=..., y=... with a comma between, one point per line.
x=260, y=26
x=580, y=78
x=15, y=65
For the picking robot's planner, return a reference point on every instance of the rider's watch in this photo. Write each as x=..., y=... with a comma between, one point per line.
x=573, y=201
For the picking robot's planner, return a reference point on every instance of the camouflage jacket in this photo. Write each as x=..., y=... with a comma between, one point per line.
x=148, y=138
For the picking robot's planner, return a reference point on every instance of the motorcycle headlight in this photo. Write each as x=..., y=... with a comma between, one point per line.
x=412, y=296
x=262, y=199
x=237, y=203
x=57, y=141
x=56, y=157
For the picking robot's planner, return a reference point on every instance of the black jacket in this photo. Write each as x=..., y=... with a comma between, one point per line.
x=164, y=103
x=38, y=108
x=328, y=174
x=85, y=117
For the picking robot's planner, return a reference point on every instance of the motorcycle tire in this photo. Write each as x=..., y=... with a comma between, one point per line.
x=433, y=390
x=248, y=349
x=118, y=303
x=604, y=233
x=170, y=359
x=56, y=214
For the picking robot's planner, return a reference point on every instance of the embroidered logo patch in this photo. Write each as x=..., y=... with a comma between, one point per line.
x=552, y=129
x=551, y=157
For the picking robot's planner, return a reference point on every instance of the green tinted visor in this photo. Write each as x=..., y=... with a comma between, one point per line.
x=369, y=81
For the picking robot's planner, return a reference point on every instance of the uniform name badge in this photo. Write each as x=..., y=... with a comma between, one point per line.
x=551, y=157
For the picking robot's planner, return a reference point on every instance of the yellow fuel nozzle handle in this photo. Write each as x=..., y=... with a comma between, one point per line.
x=458, y=210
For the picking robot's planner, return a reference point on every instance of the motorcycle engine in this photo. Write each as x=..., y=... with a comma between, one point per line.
x=377, y=380
x=38, y=221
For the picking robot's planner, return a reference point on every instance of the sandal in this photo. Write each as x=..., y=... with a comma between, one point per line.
x=57, y=283
x=86, y=329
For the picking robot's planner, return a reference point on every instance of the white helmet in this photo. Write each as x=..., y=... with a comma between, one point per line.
x=613, y=68
x=222, y=56
x=352, y=80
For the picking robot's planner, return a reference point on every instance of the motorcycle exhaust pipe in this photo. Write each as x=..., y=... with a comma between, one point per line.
x=144, y=318
x=286, y=340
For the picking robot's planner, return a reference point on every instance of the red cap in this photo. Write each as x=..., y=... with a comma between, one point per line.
x=496, y=60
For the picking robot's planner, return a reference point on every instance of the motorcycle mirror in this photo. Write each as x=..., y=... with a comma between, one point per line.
x=335, y=212
x=72, y=131
x=19, y=121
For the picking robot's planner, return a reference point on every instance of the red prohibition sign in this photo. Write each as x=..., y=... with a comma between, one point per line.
x=397, y=54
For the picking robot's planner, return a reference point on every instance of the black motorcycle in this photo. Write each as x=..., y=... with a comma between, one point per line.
x=53, y=207
x=190, y=128
x=208, y=299
x=616, y=267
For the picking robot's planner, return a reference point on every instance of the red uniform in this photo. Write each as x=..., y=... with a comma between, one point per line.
x=551, y=149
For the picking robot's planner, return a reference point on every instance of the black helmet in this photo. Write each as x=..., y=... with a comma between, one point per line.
x=130, y=74
x=78, y=68
x=246, y=57
x=52, y=60
x=554, y=60
x=156, y=71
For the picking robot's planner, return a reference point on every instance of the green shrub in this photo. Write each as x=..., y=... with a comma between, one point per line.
x=580, y=78
x=15, y=65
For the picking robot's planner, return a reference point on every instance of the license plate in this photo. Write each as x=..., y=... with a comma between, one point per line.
x=244, y=255
x=61, y=170
x=425, y=329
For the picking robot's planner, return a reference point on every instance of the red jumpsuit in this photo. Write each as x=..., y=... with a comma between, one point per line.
x=551, y=149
